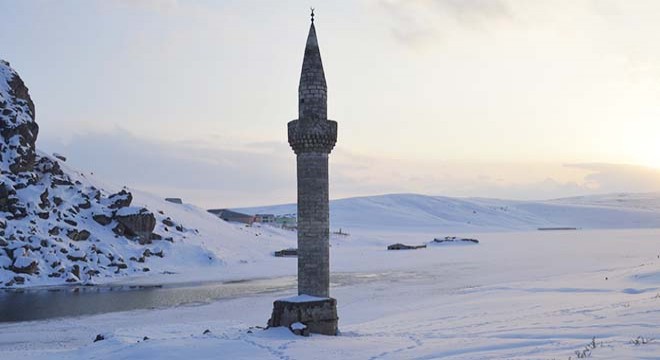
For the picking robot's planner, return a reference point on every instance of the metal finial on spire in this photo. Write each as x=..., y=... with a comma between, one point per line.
x=311, y=8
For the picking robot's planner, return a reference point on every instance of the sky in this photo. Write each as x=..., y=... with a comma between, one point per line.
x=474, y=98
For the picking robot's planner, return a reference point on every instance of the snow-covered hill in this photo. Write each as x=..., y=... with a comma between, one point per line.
x=58, y=225
x=413, y=211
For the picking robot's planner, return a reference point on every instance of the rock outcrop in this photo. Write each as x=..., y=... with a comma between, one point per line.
x=19, y=130
x=137, y=222
x=54, y=224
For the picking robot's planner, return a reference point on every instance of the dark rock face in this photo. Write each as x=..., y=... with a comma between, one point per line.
x=76, y=235
x=120, y=200
x=49, y=217
x=8, y=198
x=102, y=219
x=30, y=268
x=139, y=224
x=18, y=129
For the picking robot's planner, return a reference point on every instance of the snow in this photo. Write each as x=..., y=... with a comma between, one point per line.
x=24, y=261
x=518, y=295
x=298, y=326
x=303, y=298
x=131, y=210
x=414, y=211
x=202, y=247
x=198, y=247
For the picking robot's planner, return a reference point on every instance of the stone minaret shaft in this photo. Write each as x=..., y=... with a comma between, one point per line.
x=312, y=137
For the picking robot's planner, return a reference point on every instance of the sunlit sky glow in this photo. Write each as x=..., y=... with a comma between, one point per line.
x=497, y=98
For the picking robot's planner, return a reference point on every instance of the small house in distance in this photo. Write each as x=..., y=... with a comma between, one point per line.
x=174, y=200
x=264, y=218
x=232, y=216
x=287, y=222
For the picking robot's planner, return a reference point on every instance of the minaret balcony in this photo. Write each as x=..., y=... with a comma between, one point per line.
x=312, y=135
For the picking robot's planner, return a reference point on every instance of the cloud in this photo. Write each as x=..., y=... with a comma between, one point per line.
x=415, y=22
x=620, y=177
x=264, y=173
x=212, y=177
x=160, y=6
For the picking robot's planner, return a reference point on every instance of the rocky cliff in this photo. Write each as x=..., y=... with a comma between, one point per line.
x=57, y=227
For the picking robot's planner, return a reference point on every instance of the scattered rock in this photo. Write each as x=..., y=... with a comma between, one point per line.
x=76, y=256
x=99, y=337
x=45, y=203
x=400, y=246
x=53, y=204
x=455, y=240
x=85, y=205
x=120, y=200
x=25, y=265
x=102, y=219
x=120, y=229
x=286, y=252
x=139, y=223
x=76, y=235
x=61, y=180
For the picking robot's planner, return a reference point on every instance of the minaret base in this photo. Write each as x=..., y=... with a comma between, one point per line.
x=319, y=315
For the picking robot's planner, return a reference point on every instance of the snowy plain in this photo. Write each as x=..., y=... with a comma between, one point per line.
x=516, y=295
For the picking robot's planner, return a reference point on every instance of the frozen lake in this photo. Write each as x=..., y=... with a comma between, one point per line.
x=56, y=302
x=41, y=304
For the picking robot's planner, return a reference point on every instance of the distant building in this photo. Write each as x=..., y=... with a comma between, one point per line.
x=174, y=200
x=264, y=218
x=289, y=222
x=232, y=216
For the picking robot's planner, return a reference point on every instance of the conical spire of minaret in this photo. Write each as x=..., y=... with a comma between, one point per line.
x=312, y=90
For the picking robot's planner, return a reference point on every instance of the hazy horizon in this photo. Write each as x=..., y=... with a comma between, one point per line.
x=473, y=98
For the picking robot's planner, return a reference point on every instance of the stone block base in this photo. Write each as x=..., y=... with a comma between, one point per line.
x=318, y=314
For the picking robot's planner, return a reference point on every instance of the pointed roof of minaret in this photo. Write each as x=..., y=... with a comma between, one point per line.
x=312, y=69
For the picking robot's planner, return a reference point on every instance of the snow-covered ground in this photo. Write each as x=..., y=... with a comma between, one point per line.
x=415, y=211
x=516, y=295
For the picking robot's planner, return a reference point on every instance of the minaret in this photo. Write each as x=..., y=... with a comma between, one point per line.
x=312, y=137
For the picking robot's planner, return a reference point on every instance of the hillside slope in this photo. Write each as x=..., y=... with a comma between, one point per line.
x=413, y=211
x=60, y=226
